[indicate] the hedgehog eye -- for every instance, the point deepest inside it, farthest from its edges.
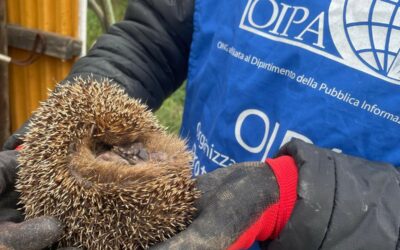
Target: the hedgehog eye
(98, 147)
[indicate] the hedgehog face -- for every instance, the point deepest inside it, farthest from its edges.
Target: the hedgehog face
(132, 154)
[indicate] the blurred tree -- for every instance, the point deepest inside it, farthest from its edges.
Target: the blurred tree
(104, 12)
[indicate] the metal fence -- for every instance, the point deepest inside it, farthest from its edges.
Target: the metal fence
(40, 59)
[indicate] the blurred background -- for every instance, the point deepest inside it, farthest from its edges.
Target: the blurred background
(39, 42)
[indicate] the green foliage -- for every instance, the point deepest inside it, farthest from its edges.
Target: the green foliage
(170, 114)
(93, 25)
(119, 8)
(93, 28)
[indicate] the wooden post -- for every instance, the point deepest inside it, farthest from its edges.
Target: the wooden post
(4, 93)
(63, 47)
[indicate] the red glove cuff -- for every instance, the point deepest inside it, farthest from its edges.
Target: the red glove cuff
(286, 173)
(274, 218)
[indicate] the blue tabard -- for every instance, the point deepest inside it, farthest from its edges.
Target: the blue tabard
(264, 71)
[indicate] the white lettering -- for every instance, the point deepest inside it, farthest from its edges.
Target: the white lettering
(281, 16)
(285, 16)
(274, 15)
(306, 12)
(267, 141)
(319, 32)
(209, 152)
(238, 128)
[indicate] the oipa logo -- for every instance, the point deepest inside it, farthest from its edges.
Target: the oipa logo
(366, 33)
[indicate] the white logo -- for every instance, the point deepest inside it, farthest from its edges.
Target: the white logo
(366, 33)
(269, 131)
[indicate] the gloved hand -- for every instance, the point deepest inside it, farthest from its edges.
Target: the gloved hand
(15, 139)
(239, 205)
(8, 196)
(32, 234)
(8, 170)
(15, 234)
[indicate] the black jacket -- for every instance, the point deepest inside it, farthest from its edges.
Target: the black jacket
(344, 202)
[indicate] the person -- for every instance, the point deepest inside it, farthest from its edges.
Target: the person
(291, 113)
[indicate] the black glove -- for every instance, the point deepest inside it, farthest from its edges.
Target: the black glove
(15, 139)
(8, 196)
(344, 202)
(8, 170)
(15, 234)
(240, 204)
(32, 234)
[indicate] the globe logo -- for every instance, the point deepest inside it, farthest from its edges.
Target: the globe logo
(372, 29)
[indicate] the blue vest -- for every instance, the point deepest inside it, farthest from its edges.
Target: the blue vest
(264, 71)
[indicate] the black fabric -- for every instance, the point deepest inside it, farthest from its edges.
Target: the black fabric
(9, 200)
(16, 138)
(8, 196)
(232, 200)
(11, 215)
(32, 234)
(146, 53)
(8, 170)
(343, 202)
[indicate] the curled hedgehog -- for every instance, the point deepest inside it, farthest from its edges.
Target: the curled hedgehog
(99, 162)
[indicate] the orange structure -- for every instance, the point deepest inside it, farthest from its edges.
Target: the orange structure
(28, 85)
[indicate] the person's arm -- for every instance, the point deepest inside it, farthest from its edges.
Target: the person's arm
(343, 202)
(146, 53)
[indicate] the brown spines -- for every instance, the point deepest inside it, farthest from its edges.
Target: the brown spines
(104, 204)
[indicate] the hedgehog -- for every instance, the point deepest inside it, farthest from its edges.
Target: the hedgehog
(100, 162)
